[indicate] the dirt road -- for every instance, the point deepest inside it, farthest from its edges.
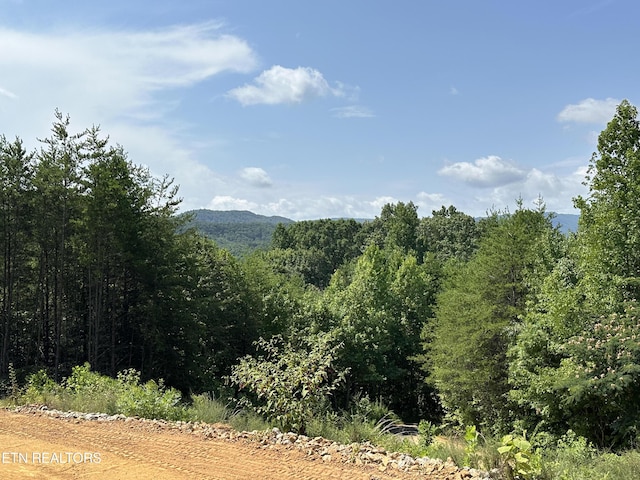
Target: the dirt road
(37, 446)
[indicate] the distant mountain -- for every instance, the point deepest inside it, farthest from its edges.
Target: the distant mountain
(567, 222)
(235, 216)
(238, 231)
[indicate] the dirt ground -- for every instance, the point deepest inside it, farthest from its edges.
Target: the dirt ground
(33, 446)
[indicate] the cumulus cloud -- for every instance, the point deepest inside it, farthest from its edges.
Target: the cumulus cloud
(227, 202)
(589, 110)
(284, 85)
(489, 171)
(557, 187)
(256, 176)
(352, 111)
(557, 191)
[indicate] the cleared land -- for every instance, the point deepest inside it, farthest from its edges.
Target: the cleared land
(38, 446)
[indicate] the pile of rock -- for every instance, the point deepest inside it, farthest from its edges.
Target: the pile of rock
(365, 454)
(318, 448)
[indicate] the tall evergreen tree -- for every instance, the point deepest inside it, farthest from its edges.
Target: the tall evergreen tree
(16, 177)
(478, 314)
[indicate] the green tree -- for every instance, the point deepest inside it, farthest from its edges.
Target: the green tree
(573, 362)
(218, 300)
(275, 296)
(479, 312)
(609, 227)
(396, 227)
(379, 308)
(57, 182)
(16, 190)
(448, 234)
(315, 249)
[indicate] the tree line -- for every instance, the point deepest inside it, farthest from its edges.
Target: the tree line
(501, 323)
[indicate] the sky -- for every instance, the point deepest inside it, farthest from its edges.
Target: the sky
(332, 108)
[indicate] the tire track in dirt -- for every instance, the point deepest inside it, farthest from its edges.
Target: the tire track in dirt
(136, 450)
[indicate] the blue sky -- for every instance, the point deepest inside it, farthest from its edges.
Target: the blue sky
(315, 109)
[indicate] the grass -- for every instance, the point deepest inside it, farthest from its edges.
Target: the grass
(569, 464)
(206, 408)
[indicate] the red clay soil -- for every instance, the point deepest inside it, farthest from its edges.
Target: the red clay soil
(41, 447)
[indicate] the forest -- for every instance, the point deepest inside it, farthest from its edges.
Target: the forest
(502, 323)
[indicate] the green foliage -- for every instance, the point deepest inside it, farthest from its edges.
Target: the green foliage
(40, 389)
(427, 432)
(380, 306)
(315, 249)
(89, 391)
(610, 215)
(395, 228)
(239, 232)
(448, 234)
(574, 458)
(520, 460)
(290, 383)
(148, 400)
(472, 440)
(478, 314)
(598, 382)
(575, 361)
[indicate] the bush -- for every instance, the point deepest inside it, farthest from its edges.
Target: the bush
(288, 385)
(519, 459)
(89, 391)
(149, 400)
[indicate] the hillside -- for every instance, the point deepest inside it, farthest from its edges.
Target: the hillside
(238, 231)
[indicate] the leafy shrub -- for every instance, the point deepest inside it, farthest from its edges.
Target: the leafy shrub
(149, 400)
(289, 384)
(89, 391)
(520, 460)
(427, 432)
(40, 389)
(206, 408)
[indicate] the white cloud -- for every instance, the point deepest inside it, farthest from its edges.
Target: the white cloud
(380, 202)
(107, 76)
(427, 202)
(125, 81)
(557, 191)
(589, 110)
(557, 187)
(453, 91)
(352, 111)
(284, 85)
(256, 177)
(302, 205)
(7, 93)
(489, 171)
(227, 202)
